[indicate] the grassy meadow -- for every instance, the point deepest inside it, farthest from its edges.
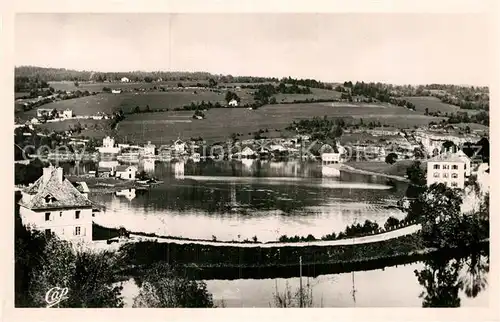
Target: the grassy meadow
(97, 87)
(109, 103)
(434, 104)
(317, 93)
(220, 123)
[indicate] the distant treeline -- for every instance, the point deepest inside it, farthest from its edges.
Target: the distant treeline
(29, 84)
(466, 97)
(62, 74)
(482, 118)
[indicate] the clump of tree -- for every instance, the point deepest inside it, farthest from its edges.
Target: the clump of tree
(29, 173)
(319, 128)
(391, 222)
(44, 261)
(417, 178)
(482, 118)
(212, 83)
(199, 106)
(391, 158)
(312, 83)
(117, 117)
(443, 223)
(198, 114)
(232, 96)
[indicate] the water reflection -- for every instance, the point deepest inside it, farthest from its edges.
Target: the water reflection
(264, 199)
(148, 165)
(127, 193)
(444, 279)
(474, 279)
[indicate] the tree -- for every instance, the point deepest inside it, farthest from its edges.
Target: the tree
(44, 262)
(137, 109)
(76, 84)
(148, 79)
(417, 186)
(231, 95)
(439, 210)
(391, 158)
(426, 111)
(449, 146)
(391, 222)
(212, 82)
(148, 109)
(162, 287)
(180, 85)
(415, 174)
(418, 153)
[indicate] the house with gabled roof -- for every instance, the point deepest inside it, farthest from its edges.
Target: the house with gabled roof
(127, 172)
(55, 206)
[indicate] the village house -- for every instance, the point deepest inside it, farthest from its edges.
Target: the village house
(233, 102)
(149, 149)
(53, 205)
(104, 172)
(41, 112)
(179, 146)
(108, 146)
(66, 114)
(116, 91)
(126, 172)
(123, 146)
(450, 169)
(125, 80)
(247, 152)
(277, 147)
(336, 155)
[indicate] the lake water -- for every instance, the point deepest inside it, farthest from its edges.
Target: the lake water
(237, 200)
(395, 286)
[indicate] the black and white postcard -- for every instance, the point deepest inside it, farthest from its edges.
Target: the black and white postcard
(251, 159)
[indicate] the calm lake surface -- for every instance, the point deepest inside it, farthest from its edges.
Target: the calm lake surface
(237, 200)
(395, 286)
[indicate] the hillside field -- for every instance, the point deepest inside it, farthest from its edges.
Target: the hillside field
(109, 103)
(317, 93)
(220, 123)
(434, 105)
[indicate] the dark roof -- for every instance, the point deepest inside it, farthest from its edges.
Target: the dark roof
(63, 194)
(123, 167)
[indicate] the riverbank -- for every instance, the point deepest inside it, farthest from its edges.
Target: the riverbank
(395, 171)
(101, 234)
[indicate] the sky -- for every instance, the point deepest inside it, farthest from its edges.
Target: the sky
(390, 48)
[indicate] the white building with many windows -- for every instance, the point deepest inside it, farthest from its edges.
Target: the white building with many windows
(450, 169)
(53, 205)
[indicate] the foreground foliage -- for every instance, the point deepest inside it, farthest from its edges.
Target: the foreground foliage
(162, 287)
